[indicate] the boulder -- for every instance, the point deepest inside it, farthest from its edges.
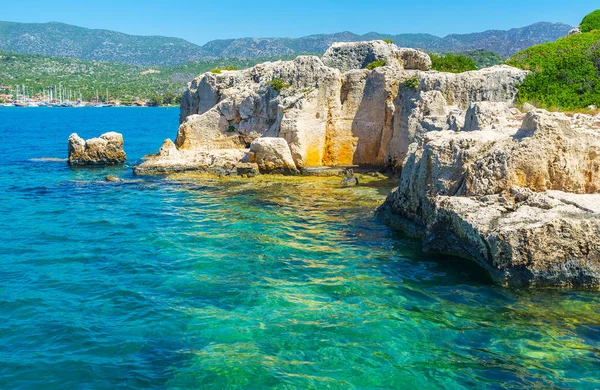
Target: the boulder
(346, 56)
(272, 155)
(527, 107)
(414, 59)
(105, 150)
(574, 31)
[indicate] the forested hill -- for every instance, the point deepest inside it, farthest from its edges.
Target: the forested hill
(63, 40)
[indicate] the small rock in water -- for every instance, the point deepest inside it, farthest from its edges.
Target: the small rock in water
(350, 181)
(113, 178)
(105, 150)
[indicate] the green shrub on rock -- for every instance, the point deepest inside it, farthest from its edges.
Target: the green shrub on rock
(565, 73)
(453, 63)
(376, 64)
(388, 41)
(591, 22)
(278, 85)
(412, 83)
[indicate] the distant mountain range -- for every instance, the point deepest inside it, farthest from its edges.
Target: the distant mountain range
(63, 40)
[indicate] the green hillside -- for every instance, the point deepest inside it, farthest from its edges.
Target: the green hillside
(64, 40)
(125, 82)
(566, 73)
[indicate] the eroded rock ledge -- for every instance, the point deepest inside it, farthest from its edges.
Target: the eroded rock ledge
(520, 198)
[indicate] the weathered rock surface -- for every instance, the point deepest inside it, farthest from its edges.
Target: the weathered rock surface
(271, 155)
(169, 159)
(521, 199)
(105, 150)
(346, 56)
(332, 112)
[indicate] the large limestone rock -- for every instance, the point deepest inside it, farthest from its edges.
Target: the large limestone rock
(333, 117)
(346, 56)
(522, 199)
(105, 150)
(271, 155)
(414, 59)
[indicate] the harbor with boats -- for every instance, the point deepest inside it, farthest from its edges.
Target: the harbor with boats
(56, 96)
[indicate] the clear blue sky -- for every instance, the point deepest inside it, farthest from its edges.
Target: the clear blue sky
(201, 21)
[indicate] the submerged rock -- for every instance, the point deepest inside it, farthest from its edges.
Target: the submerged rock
(106, 150)
(349, 181)
(113, 178)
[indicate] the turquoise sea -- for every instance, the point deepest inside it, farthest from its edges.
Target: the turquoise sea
(189, 282)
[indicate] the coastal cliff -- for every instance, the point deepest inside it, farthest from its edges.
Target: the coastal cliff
(331, 111)
(517, 193)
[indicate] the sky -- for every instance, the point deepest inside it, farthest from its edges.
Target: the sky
(202, 21)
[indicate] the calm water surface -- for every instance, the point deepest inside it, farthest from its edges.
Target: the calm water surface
(196, 283)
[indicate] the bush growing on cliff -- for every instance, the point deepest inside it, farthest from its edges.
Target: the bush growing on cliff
(278, 85)
(484, 58)
(565, 73)
(376, 64)
(388, 41)
(216, 70)
(412, 83)
(591, 22)
(453, 63)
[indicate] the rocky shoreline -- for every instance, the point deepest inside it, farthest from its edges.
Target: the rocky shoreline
(518, 193)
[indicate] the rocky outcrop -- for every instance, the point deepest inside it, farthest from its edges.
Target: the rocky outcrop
(332, 111)
(105, 150)
(272, 155)
(521, 198)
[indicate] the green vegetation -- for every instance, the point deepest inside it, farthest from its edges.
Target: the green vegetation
(376, 64)
(278, 85)
(159, 84)
(484, 58)
(565, 73)
(231, 129)
(388, 41)
(412, 83)
(591, 22)
(454, 63)
(218, 70)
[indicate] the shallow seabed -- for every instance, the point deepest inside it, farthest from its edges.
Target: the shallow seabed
(195, 282)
